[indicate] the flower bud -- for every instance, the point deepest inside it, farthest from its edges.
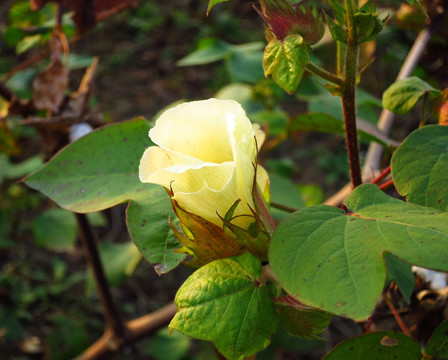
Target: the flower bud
(284, 18)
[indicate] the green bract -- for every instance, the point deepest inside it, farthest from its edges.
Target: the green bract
(224, 302)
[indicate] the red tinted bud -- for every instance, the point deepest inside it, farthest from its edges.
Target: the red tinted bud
(284, 18)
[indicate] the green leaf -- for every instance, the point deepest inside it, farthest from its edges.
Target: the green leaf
(420, 167)
(402, 274)
(401, 96)
(245, 66)
(300, 320)
(326, 123)
(286, 61)
(338, 33)
(166, 346)
(97, 171)
(148, 225)
(67, 338)
(275, 119)
(55, 229)
(285, 192)
(378, 345)
(223, 302)
(416, 3)
(333, 260)
(437, 346)
(213, 3)
(119, 260)
(241, 93)
(209, 51)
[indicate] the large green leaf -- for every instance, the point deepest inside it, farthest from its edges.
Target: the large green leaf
(401, 96)
(326, 123)
(285, 61)
(420, 167)
(223, 302)
(437, 346)
(379, 345)
(148, 226)
(334, 260)
(97, 171)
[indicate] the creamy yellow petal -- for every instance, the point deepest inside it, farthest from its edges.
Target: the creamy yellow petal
(200, 129)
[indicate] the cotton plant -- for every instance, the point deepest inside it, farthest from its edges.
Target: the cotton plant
(198, 197)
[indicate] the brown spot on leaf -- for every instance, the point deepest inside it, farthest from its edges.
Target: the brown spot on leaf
(388, 341)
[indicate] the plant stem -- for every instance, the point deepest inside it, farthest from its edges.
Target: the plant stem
(324, 74)
(396, 315)
(111, 314)
(423, 113)
(381, 176)
(283, 207)
(348, 94)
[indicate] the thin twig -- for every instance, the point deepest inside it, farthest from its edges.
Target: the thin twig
(282, 207)
(381, 176)
(375, 151)
(136, 329)
(396, 315)
(113, 318)
(387, 184)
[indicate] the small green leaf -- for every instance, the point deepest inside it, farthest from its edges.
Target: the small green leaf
(148, 225)
(223, 302)
(334, 261)
(213, 3)
(210, 50)
(97, 171)
(379, 345)
(420, 167)
(300, 320)
(338, 33)
(401, 96)
(437, 346)
(338, 11)
(286, 61)
(402, 274)
(326, 123)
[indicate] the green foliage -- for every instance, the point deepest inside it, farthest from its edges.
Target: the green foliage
(437, 346)
(402, 96)
(380, 345)
(67, 338)
(286, 60)
(119, 261)
(97, 171)
(169, 346)
(420, 167)
(351, 249)
(326, 123)
(149, 228)
(225, 303)
(402, 274)
(243, 62)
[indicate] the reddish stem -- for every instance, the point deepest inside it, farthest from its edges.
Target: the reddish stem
(396, 315)
(381, 176)
(386, 184)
